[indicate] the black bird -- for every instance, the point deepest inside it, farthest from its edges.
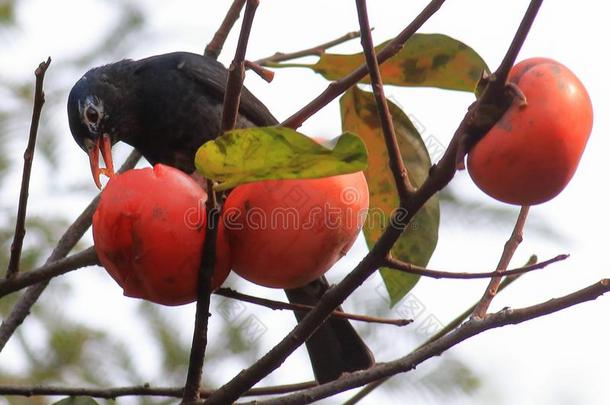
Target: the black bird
(166, 106)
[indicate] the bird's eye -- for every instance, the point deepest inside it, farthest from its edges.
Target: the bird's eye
(92, 115)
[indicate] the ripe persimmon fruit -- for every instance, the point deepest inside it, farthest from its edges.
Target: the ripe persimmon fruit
(286, 233)
(149, 230)
(529, 156)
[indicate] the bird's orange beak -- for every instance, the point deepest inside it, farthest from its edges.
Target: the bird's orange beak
(104, 145)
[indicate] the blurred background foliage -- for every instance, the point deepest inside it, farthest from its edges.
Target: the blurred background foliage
(55, 349)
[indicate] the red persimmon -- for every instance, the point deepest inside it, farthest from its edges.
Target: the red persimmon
(286, 233)
(532, 152)
(149, 230)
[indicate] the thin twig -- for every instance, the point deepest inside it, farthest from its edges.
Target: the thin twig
(236, 70)
(313, 51)
(280, 305)
(28, 157)
(412, 269)
(397, 166)
(457, 321)
(141, 391)
(465, 331)
(65, 244)
(202, 314)
(214, 47)
(515, 47)
(228, 121)
(47, 271)
(510, 247)
(338, 87)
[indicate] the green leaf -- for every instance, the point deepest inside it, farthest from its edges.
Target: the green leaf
(426, 60)
(76, 401)
(7, 12)
(417, 243)
(253, 154)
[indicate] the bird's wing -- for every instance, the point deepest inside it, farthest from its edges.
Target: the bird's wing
(212, 75)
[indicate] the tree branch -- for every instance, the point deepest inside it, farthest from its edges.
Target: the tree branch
(338, 87)
(236, 70)
(214, 47)
(228, 121)
(200, 330)
(465, 331)
(510, 247)
(412, 269)
(317, 50)
(87, 257)
(280, 305)
(515, 47)
(141, 391)
(67, 241)
(397, 166)
(28, 157)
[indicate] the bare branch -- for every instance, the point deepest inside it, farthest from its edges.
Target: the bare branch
(87, 257)
(510, 247)
(317, 50)
(214, 48)
(200, 330)
(141, 391)
(412, 269)
(236, 70)
(28, 158)
(280, 305)
(397, 166)
(513, 51)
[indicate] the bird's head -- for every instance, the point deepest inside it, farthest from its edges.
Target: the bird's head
(92, 120)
